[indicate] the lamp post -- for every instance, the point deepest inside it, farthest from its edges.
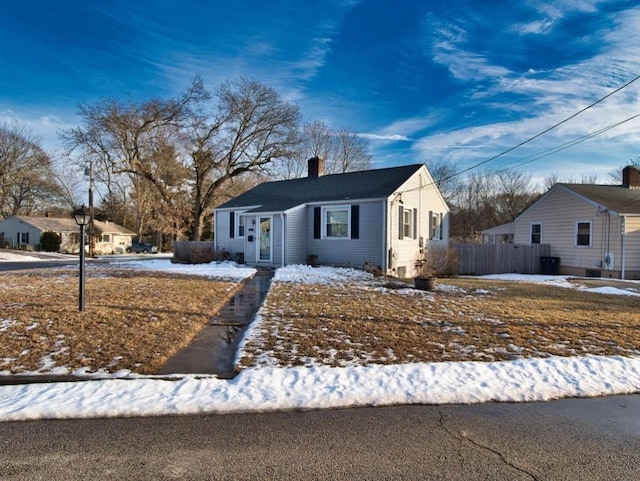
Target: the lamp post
(82, 217)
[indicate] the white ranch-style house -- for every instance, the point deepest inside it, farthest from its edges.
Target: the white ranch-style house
(384, 218)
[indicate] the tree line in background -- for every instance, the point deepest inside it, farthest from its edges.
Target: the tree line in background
(160, 166)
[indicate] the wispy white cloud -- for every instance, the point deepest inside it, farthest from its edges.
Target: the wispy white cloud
(387, 137)
(44, 127)
(549, 13)
(446, 46)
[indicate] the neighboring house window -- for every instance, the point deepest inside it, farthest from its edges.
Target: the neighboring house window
(240, 223)
(105, 238)
(24, 238)
(336, 221)
(583, 234)
(435, 226)
(536, 233)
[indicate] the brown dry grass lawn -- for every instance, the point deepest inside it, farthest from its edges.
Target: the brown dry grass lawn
(465, 319)
(133, 320)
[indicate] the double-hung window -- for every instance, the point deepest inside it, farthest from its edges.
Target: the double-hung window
(407, 217)
(583, 234)
(536, 233)
(240, 224)
(435, 226)
(336, 222)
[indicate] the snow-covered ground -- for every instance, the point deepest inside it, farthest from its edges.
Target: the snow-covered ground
(9, 256)
(268, 389)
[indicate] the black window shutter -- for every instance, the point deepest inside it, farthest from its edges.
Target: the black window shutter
(430, 233)
(415, 223)
(400, 223)
(317, 222)
(441, 227)
(355, 221)
(232, 224)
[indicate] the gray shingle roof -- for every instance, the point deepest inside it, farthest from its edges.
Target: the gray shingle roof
(616, 198)
(62, 225)
(284, 194)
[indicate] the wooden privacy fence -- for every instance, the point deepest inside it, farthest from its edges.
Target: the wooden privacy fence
(483, 259)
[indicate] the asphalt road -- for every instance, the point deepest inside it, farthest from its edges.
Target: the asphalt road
(21, 265)
(581, 439)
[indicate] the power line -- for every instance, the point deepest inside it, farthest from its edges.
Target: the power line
(544, 131)
(566, 145)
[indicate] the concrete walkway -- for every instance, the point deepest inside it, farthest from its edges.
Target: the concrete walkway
(213, 350)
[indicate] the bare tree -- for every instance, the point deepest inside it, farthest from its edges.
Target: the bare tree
(350, 153)
(615, 175)
(555, 178)
(445, 177)
(342, 150)
(251, 127)
(514, 194)
(27, 183)
(133, 144)
(173, 158)
(489, 199)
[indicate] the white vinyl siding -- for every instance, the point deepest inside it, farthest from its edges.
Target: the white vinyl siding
(402, 251)
(296, 240)
(348, 251)
(223, 239)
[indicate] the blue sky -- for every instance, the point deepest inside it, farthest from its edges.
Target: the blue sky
(455, 81)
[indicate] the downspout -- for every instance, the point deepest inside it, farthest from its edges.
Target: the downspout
(623, 252)
(283, 238)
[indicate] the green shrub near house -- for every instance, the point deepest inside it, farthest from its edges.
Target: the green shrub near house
(50, 242)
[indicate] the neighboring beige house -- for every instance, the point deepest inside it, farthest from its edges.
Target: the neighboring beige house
(384, 218)
(22, 232)
(594, 230)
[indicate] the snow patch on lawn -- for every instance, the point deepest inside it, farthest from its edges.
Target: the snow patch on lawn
(218, 270)
(304, 274)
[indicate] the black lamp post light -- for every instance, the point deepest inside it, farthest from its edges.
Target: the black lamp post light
(82, 217)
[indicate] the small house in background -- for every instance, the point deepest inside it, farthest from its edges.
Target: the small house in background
(592, 230)
(24, 232)
(502, 234)
(384, 219)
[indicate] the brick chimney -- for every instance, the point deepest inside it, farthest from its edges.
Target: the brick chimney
(315, 167)
(631, 177)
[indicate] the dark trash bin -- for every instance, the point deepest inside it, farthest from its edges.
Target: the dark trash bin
(550, 265)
